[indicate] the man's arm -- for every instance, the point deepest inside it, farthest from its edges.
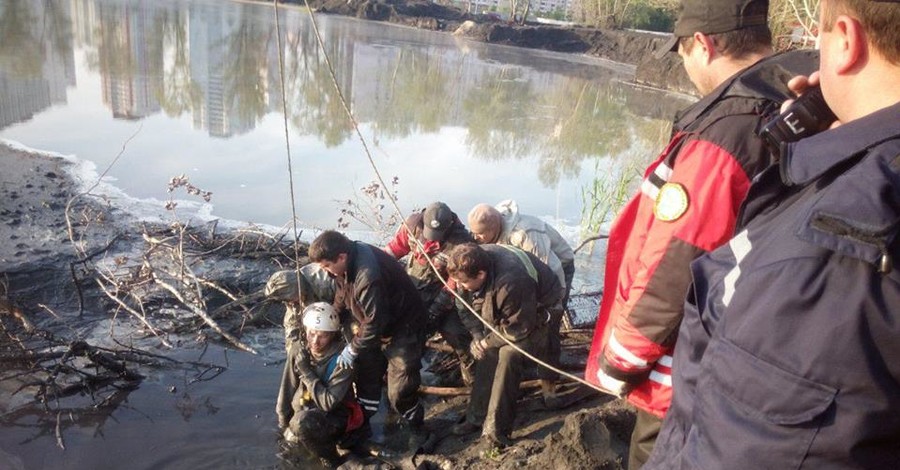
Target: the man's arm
(518, 314)
(399, 246)
(650, 306)
(371, 312)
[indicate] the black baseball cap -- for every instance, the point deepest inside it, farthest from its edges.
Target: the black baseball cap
(713, 17)
(437, 219)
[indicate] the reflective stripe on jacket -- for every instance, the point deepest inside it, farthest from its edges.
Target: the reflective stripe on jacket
(687, 205)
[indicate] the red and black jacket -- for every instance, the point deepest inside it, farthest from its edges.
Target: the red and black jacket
(687, 205)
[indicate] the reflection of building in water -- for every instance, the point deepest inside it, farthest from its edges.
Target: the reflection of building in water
(210, 26)
(130, 67)
(31, 88)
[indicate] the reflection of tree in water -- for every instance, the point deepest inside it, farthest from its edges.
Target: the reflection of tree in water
(574, 120)
(179, 94)
(245, 63)
(419, 94)
(499, 116)
(21, 39)
(587, 123)
(313, 103)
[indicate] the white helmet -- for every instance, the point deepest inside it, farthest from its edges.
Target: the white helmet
(321, 316)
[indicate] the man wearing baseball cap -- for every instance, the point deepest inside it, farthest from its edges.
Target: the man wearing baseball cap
(688, 202)
(437, 229)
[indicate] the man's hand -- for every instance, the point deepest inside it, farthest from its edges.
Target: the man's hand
(612, 385)
(477, 349)
(346, 359)
(302, 363)
(799, 85)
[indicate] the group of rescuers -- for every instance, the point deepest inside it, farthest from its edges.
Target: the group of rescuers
(751, 310)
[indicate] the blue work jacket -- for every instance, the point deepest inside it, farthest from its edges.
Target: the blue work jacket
(789, 352)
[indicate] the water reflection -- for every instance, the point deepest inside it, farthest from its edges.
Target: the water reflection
(216, 66)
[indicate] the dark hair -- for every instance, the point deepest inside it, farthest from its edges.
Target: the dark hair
(328, 245)
(739, 43)
(467, 259)
(880, 20)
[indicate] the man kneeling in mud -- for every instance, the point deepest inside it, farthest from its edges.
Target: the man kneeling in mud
(316, 402)
(513, 291)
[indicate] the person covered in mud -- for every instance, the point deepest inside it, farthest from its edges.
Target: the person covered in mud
(388, 311)
(314, 285)
(437, 230)
(316, 405)
(688, 202)
(789, 352)
(514, 292)
(505, 225)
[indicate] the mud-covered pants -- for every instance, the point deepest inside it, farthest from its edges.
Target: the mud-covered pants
(497, 378)
(401, 358)
(443, 318)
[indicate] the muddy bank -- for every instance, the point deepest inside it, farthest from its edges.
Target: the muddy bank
(37, 261)
(627, 47)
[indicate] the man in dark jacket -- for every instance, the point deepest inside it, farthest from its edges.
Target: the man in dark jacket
(789, 352)
(437, 230)
(315, 404)
(513, 291)
(688, 202)
(386, 306)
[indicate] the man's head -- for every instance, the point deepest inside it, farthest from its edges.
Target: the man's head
(322, 326)
(437, 219)
(859, 42)
(468, 266)
(486, 223)
(331, 250)
(718, 38)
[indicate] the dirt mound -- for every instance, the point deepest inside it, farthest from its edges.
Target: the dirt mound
(591, 438)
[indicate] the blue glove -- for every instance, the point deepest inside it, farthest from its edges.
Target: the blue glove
(346, 358)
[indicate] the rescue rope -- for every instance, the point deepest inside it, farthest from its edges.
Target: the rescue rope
(287, 142)
(390, 196)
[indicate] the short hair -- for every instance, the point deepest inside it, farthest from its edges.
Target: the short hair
(739, 43)
(880, 20)
(328, 245)
(467, 259)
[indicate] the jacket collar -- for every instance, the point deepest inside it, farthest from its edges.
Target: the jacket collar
(808, 159)
(764, 79)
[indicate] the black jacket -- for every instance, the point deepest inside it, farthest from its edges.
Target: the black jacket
(380, 296)
(515, 297)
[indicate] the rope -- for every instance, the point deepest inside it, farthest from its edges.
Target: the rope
(393, 201)
(287, 142)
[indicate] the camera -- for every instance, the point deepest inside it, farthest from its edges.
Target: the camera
(806, 116)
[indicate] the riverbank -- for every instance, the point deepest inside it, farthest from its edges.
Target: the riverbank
(634, 48)
(36, 262)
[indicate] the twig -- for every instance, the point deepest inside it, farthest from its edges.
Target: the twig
(134, 312)
(590, 239)
(59, 438)
(202, 314)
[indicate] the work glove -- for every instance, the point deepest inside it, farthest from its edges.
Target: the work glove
(304, 367)
(346, 358)
(477, 348)
(612, 385)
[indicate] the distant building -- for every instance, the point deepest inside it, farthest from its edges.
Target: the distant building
(537, 6)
